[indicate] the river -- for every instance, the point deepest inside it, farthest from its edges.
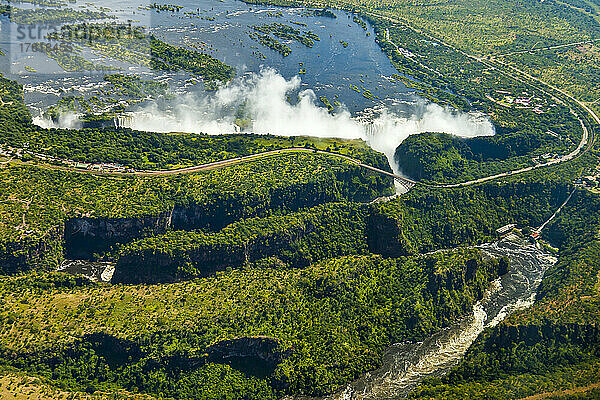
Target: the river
(95, 271)
(405, 365)
(345, 53)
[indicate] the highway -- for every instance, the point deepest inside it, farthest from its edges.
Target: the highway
(216, 165)
(513, 72)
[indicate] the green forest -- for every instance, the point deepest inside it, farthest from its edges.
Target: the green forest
(326, 323)
(293, 274)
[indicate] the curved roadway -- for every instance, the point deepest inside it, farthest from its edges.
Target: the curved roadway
(216, 165)
(584, 144)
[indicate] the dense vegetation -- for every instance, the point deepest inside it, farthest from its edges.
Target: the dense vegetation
(432, 219)
(286, 32)
(49, 15)
(555, 344)
(152, 151)
(326, 324)
(440, 157)
(420, 222)
(166, 57)
(133, 45)
(311, 297)
(147, 150)
(324, 13)
(296, 239)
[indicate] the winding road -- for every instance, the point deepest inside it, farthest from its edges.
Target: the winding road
(217, 165)
(585, 144)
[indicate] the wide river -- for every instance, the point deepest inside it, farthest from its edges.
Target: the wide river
(345, 54)
(405, 365)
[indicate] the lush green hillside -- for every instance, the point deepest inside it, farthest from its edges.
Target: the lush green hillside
(422, 221)
(317, 327)
(440, 157)
(554, 345)
(431, 219)
(36, 203)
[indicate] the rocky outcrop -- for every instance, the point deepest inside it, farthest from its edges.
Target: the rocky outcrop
(385, 236)
(204, 256)
(218, 211)
(37, 253)
(85, 236)
(151, 266)
(253, 355)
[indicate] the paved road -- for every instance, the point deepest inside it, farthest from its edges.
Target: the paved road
(219, 164)
(584, 145)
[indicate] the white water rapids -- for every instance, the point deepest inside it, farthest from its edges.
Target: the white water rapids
(405, 365)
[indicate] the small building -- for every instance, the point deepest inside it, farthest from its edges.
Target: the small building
(506, 229)
(534, 236)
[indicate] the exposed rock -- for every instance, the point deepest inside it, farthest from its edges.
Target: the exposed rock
(152, 265)
(258, 355)
(85, 236)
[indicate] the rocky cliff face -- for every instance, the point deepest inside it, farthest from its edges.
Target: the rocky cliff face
(151, 266)
(261, 347)
(85, 236)
(44, 252)
(226, 208)
(257, 355)
(385, 236)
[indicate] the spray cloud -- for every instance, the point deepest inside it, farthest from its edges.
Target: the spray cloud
(267, 103)
(260, 103)
(68, 120)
